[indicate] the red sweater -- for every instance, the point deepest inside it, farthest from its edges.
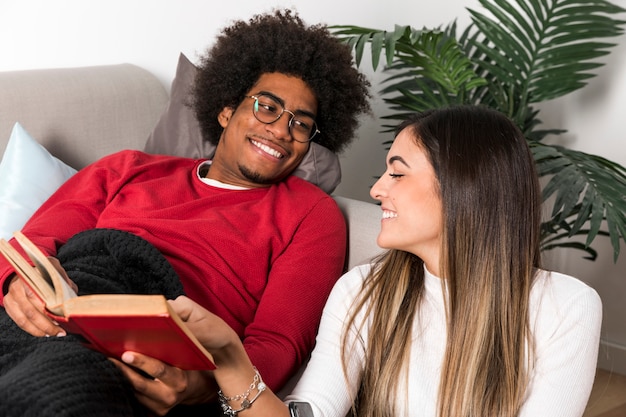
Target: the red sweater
(263, 259)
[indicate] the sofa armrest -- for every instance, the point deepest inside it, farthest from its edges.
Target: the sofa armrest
(82, 114)
(363, 220)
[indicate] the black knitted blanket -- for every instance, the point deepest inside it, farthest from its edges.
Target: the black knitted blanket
(60, 377)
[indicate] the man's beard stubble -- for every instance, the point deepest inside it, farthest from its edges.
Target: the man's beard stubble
(256, 177)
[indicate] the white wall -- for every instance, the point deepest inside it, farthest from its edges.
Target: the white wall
(151, 33)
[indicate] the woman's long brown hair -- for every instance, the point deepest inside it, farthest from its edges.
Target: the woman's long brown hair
(492, 212)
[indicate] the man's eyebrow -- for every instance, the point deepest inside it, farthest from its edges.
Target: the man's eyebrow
(272, 95)
(282, 103)
(399, 159)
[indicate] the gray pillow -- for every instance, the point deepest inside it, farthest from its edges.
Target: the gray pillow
(177, 133)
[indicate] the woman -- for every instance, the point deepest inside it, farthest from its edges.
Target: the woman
(456, 319)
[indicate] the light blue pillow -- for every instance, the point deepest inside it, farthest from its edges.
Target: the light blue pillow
(29, 174)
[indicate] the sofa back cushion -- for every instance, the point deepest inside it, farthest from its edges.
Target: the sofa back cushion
(82, 114)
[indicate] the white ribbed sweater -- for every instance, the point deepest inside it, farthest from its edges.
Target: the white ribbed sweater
(566, 316)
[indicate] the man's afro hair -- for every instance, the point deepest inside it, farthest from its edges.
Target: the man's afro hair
(281, 42)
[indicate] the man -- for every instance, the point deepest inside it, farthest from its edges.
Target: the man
(254, 245)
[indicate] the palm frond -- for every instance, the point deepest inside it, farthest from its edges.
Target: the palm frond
(514, 54)
(411, 53)
(528, 40)
(587, 190)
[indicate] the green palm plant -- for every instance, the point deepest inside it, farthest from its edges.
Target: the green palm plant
(525, 52)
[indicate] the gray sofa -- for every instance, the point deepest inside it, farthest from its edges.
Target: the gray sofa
(82, 114)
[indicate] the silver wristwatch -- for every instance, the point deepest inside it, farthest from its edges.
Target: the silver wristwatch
(300, 409)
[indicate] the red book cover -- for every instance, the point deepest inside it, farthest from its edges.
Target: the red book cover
(113, 324)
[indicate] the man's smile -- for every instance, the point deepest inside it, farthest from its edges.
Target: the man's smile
(265, 148)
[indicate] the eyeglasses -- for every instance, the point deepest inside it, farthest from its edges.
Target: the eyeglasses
(268, 109)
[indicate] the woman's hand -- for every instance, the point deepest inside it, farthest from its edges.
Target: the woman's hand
(172, 386)
(211, 331)
(168, 386)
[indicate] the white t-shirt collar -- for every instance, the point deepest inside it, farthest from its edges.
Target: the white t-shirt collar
(215, 183)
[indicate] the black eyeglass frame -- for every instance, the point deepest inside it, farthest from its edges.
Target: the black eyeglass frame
(255, 106)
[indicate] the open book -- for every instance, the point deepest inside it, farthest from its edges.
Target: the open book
(109, 323)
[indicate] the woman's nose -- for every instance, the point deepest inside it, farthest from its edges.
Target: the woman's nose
(376, 192)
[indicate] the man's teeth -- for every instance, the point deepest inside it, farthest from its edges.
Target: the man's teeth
(389, 215)
(267, 149)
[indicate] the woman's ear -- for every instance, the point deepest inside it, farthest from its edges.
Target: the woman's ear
(224, 116)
